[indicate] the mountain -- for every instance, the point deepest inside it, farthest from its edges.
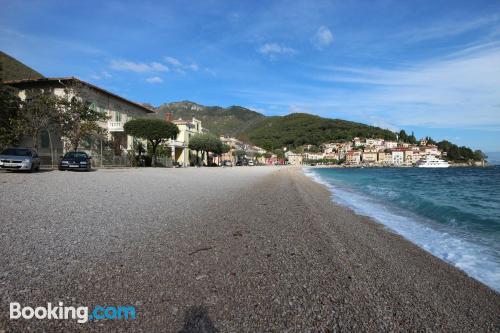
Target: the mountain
(12, 69)
(292, 130)
(297, 129)
(222, 121)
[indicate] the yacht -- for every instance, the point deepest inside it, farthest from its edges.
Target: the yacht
(431, 161)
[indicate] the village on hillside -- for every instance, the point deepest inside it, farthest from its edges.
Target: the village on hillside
(115, 147)
(366, 152)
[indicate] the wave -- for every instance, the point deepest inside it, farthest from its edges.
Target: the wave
(477, 261)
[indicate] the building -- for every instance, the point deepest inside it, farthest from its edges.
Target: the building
(382, 157)
(374, 142)
(369, 156)
(357, 142)
(118, 109)
(431, 150)
(313, 156)
(353, 157)
(409, 158)
(331, 156)
(181, 154)
(294, 158)
(390, 144)
(398, 156)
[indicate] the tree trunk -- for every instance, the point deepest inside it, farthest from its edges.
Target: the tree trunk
(35, 139)
(153, 158)
(51, 149)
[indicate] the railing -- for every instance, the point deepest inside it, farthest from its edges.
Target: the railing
(176, 143)
(115, 126)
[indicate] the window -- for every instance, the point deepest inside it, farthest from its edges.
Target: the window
(118, 116)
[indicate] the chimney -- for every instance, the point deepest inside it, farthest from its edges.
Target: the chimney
(169, 116)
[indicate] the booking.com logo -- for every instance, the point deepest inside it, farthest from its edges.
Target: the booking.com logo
(82, 314)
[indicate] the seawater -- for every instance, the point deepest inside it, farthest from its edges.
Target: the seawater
(453, 213)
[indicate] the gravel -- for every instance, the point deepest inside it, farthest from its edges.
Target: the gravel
(219, 249)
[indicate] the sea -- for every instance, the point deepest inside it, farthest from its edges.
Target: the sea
(453, 213)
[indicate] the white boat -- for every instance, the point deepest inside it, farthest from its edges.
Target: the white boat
(431, 161)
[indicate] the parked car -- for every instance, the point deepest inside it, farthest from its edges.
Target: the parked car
(20, 159)
(239, 163)
(251, 163)
(227, 163)
(75, 160)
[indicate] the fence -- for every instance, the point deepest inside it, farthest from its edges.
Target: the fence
(107, 158)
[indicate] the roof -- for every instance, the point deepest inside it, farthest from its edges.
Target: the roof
(59, 80)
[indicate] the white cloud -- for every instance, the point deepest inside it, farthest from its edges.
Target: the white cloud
(106, 74)
(448, 28)
(275, 48)
(448, 92)
(138, 67)
(323, 38)
(154, 79)
(172, 61)
(178, 66)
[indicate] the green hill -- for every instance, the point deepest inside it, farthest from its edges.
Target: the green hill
(297, 129)
(12, 69)
(272, 132)
(222, 121)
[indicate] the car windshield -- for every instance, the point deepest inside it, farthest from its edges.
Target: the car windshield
(75, 154)
(17, 152)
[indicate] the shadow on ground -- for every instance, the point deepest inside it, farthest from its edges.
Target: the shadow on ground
(196, 320)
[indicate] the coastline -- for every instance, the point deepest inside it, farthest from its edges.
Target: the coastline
(258, 249)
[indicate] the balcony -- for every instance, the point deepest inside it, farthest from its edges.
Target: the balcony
(176, 143)
(115, 126)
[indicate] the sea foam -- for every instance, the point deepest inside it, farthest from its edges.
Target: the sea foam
(475, 260)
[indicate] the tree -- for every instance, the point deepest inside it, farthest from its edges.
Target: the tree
(222, 149)
(402, 136)
(10, 115)
(479, 155)
(79, 119)
(40, 111)
(153, 130)
(205, 143)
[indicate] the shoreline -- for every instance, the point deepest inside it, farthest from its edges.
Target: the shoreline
(237, 249)
(461, 252)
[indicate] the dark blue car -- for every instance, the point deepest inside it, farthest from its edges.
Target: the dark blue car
(75, 160)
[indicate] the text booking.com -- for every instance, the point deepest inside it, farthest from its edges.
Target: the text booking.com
(81, 314)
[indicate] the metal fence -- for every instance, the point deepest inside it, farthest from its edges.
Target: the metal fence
(107, 158)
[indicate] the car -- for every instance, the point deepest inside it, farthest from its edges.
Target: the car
(25, 159)
(227, 163)
(239, 163)
(75, 160)
(251, 163)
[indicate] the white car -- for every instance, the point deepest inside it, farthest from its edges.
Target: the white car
(251, 163)
(20, 159)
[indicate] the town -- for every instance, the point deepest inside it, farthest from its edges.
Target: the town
(109, 143)
(366, 152)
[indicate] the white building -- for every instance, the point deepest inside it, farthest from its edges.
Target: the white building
(117, 108)
(390, 144)
(398, 157)
(374, 142)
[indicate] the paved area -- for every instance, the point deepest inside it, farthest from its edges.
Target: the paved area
(219, 249)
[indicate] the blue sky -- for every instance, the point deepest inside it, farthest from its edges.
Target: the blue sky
(432, 67)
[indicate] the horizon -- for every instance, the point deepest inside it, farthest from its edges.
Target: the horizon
(427, 68)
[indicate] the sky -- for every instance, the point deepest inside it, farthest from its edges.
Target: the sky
(432, 67)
